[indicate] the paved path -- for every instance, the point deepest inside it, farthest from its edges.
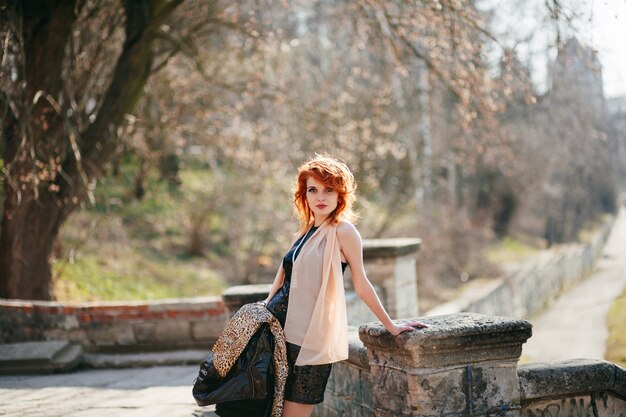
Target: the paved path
(575, 325)
(163, 391)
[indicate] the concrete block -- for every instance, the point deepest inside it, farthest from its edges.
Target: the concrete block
(570, 377)
(70, 322)
(235, 297)
(144, 331)
(335, 405)
(173, 331)
(206, 329)
(111, 335)
(75, 336)
(450, 340)
(390, 393)
(493, 386)
(438, 393)
(39, 357)
(347, 382)
(390, 248)
(366, 389)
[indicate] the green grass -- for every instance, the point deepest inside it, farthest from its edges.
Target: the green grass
(616, 343)
(509, 250)
(124, 249)
(93, 278)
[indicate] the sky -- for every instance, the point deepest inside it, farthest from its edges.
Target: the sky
(608, 37)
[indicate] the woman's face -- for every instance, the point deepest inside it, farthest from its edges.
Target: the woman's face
(322, 200)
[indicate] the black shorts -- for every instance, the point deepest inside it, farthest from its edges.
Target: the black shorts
(305, 384)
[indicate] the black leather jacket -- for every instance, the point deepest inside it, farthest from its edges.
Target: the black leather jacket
(246, 391)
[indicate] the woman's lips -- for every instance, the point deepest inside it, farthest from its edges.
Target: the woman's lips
(321, 206)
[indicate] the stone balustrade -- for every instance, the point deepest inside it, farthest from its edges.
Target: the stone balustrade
(466, 365)
(581, 387)
(463, 364)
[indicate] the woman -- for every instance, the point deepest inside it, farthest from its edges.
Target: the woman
(307, 295)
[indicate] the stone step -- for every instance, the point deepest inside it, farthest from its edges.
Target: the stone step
(68, 359)
(43, 357)
(146, 359)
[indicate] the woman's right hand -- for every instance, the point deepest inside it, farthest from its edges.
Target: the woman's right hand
(406, 327)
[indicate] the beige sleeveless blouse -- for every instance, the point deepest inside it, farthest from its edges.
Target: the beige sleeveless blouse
(316, 317)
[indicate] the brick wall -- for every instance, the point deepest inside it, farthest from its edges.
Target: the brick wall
(116, 326)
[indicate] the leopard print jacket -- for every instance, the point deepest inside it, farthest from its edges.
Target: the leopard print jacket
(235, 337)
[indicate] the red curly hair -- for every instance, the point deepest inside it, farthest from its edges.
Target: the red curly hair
(333, 174)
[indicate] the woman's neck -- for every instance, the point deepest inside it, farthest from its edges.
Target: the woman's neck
(318, 221)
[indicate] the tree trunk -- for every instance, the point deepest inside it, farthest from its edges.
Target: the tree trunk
(29, 228)
(139, 190)
(32, 214)
(424, 128)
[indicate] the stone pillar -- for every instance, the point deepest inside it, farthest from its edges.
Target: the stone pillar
(390, 265)
(237, 296)
(462, 365)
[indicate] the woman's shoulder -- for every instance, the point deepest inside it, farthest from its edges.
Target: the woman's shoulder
(347, 230)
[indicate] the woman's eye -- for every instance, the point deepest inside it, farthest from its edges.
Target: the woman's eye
(311, 190)
(329, 190)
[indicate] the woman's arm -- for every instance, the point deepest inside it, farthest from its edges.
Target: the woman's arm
(278, 282)
(352, 248)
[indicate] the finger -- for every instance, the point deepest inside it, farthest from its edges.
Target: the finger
(418, 324)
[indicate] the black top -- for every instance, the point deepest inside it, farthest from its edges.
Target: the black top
(278, 304)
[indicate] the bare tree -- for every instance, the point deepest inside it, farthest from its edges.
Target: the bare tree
(71, 72)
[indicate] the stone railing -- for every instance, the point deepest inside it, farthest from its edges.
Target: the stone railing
(193, 323)
(116, 326)
(536, 284)
(466, 365)
(581, 387)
